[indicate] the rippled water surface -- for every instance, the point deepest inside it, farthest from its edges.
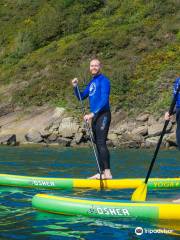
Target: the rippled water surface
(18, 220)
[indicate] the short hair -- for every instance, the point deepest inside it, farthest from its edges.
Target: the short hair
(96, 59)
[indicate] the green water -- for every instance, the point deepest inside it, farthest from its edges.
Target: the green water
(20, 221)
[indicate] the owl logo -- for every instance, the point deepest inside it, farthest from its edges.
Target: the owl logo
(92, 89)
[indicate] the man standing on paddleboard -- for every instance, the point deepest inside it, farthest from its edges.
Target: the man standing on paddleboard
(98, 91)
(177, 111)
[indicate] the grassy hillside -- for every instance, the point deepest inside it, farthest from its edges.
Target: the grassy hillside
(45, 43)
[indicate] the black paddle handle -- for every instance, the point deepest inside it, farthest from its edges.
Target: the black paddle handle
(171, 109)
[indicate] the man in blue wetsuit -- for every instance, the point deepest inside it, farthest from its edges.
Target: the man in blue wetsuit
(98, 91)
(177, 111)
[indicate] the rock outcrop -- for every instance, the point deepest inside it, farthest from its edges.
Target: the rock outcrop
(54, 126)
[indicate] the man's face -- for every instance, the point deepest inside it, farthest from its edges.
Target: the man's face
(95, 67)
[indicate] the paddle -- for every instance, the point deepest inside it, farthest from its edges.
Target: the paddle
(91, 138)
(141, 192)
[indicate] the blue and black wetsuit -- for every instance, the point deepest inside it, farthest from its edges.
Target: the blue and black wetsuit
(98, 91)
(176, 84)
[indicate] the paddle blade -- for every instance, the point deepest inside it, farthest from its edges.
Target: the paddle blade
(140, 193)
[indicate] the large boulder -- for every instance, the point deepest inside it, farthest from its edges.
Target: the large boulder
(128, 144)
(52, 138)
(65, 142)
(120, 128)
(152, 120)
(113, 140)
(171, 139)
(111, 143)
(117, 117)
(152, 142)
(54, 127)
(143, 117)
(112, 136)
(68, 127)
(78, 137)
(156, 129)
(130, 140)
(9, 139)
(143, 130)
(132, 137)
(44, 133)
(34, 136)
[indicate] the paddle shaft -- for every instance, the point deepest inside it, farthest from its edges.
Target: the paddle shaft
(90, 133)
(171, 109)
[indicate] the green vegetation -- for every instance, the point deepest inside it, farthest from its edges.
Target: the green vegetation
(45, 43)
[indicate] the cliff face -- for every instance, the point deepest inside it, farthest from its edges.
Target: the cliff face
(45, 43)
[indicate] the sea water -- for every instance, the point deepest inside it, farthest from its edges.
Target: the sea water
(19, 220)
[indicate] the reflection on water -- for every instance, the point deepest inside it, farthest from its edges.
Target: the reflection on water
(20, 221)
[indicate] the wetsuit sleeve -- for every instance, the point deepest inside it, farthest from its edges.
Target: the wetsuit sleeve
(174, 92)
(105, 91)
(83, 94)
(175, 87)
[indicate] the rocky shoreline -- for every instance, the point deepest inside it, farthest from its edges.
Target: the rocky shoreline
(54, 127)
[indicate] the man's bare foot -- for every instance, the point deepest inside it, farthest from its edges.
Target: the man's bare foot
(176, 200)
(107, 174)
(96, 176)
